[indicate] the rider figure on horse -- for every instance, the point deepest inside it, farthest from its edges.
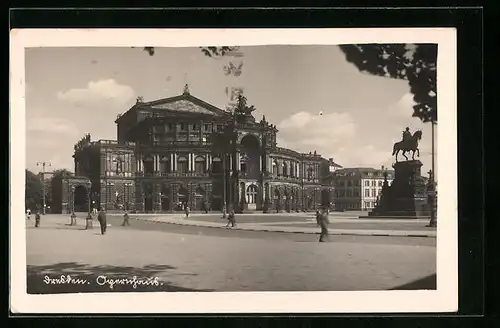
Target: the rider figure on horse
(406, 135)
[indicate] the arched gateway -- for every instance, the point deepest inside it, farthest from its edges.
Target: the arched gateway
(71, 194)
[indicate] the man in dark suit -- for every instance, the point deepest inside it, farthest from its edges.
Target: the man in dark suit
(102, 221)
(322, 220)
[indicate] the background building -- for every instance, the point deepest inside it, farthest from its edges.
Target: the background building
(181, 151)
(358, 188)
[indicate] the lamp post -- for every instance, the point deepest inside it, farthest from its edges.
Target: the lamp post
(72, 201)
(431, 188)
(43, 165)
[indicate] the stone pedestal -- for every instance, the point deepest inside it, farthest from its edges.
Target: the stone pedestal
(406, 197)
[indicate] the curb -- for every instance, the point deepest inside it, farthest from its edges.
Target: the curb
(413, 235)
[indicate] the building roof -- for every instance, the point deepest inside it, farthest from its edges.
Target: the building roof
(361, 170)
(184, 103)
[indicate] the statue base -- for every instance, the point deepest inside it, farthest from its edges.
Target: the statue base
(406, 197)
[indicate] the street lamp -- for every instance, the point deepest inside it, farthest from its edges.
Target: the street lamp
(43, 165)
(72, 200)
(431, 187)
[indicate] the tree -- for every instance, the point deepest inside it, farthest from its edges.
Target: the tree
(208, 51)
(415, 63)
(33, 191)
(61, 173)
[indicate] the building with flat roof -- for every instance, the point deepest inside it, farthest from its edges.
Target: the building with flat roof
(358, 188)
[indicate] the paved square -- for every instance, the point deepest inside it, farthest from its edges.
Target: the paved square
(201, 262)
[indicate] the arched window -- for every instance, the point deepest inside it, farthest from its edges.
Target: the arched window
(164, 164)
(285, 169)
(182, 164)
(199, 165)
(148, 164)
(309, 173)
(216, 165)
(275, 167)
(251, 194)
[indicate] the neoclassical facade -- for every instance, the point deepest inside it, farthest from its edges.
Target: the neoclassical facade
(183, 151)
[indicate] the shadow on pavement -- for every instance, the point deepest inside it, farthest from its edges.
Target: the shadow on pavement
(428, 282)
(72, 277)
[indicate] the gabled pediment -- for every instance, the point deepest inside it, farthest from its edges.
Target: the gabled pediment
(186, 104)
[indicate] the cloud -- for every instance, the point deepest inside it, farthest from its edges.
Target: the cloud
(325, 133)
(403, 108)
(365, 156)
(50, 139)
(98, 91)
(52, 125)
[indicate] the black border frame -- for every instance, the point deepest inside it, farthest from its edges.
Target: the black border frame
(469, 25)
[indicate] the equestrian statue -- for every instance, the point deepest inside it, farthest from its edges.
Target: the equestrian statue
(409, 143)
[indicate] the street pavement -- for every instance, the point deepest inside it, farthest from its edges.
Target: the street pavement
(303, 223)
(195, 258)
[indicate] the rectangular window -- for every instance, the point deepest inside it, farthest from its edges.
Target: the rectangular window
(367, 204)
(367, 183)
(367, 192)
(182, 126)
(195, 126)
(374, 193)
(206, 127)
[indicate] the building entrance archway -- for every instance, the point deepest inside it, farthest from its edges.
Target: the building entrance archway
(277, 200)
(165, 198)
(183, 196)
(80, 199)
(250, 157)
(199, 197)
(148, 198)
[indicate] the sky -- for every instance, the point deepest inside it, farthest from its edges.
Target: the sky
(73, 91)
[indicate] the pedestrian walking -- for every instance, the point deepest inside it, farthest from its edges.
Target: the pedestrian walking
(224, 211)
(322, 220)
(37, 219)
(28, 214)
(126, 219)
(231, 219)
(187, 210)
(206, 206)
(102, 221)
(73, 219)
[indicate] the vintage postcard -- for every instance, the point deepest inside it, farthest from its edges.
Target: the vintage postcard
(233, 171)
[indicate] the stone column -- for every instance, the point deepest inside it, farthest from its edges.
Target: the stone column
(175, 162)
(190, 162)
(171, 162)
(207, 161)
(238, 159)
(260, 163)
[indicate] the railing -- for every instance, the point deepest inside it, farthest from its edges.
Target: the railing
(178, 143)
(171, 174)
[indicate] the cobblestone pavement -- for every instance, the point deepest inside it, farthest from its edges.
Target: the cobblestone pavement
(204, 263)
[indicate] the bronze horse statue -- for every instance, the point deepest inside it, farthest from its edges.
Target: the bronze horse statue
(408, 145)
